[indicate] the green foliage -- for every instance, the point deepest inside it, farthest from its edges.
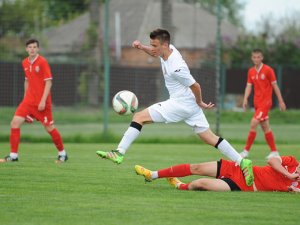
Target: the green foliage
(281, 48)
(230, 8)
(21, 19)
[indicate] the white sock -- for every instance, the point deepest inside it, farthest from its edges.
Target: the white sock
(129, 136)
(13, 155)
(154, 175)
(62, 153)
(229, 151)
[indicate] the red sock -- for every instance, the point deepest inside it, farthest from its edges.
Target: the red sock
(14, 139)
(250, 140)
(181, 170)
(270, 140)
(183, 187)
(57, 140)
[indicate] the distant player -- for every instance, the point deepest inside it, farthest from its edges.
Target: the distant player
(36, 102)
(184, 104)
(263, 79)
(282, 174)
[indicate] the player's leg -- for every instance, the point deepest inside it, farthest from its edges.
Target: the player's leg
(134, 130)
(202, 184)
(18, 119)
(181, 170)
(265, 125)
(251, 137)
(46, 119)
(226, 148)
(58, 142)
(15, 125)
(156, 113)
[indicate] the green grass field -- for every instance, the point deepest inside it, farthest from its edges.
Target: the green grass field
(90, 190)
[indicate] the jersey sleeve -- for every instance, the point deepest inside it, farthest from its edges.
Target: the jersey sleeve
(272, 76)
(184, 76)
(249, 80)
(46, 70)
(289, 162)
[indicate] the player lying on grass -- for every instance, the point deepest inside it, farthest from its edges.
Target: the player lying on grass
(282, 174)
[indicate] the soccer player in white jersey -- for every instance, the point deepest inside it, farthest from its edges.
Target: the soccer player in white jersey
(185, 104)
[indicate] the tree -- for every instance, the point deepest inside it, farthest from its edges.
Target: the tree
(231, 8)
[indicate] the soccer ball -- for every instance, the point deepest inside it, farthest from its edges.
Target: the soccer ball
(125, 103)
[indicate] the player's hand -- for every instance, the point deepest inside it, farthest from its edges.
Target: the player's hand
(42, 106)
(245, 104)
(137, 44)
(29, 119)
(203, 105)
(293, 189)
(294, 176)
(282, 106)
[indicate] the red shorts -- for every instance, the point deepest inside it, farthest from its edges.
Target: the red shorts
(231, 170)
(261, 113)
(45, 116)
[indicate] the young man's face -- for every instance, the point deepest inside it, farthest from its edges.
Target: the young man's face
(158, 47)
(257, 58)
(32, 49)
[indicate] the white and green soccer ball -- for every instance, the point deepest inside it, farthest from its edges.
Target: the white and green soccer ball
(125, 102)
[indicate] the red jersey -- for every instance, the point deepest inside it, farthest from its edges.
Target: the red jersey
(36, 73)
(267, 179)
(262, 80)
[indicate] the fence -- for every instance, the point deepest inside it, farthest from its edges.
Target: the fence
(147, 83)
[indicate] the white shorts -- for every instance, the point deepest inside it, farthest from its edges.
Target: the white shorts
(172, 111)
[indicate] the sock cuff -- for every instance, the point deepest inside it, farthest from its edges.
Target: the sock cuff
(219, 141)
(136, 125)
(53, 131)
(15, 129)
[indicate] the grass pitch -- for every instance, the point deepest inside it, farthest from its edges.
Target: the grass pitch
(90, 190)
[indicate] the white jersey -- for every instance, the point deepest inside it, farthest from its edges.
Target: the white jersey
(177, 76)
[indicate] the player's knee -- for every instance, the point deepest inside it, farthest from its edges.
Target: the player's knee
(141, 117)
(49, 128)
(200, 184)
(15, 123)
(196, 169)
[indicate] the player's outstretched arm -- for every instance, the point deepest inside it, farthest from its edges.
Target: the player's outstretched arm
(147, 49)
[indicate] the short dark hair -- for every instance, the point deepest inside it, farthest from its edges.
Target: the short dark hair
(31, 41)
(161, 34)
(257, 50)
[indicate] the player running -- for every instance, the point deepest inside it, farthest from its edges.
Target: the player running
(185, 104)
(36, 102)
(263, 79)
(282, 174)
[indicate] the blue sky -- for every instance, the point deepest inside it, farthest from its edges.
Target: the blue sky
(255, 10)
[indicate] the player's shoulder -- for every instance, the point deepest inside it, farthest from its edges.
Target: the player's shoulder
(42, 58)
(267, 67)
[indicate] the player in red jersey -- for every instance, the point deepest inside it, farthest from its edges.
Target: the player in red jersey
(36, 102)
(282, 174)
(263, 79)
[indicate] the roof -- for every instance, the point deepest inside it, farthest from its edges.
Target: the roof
(194, 26)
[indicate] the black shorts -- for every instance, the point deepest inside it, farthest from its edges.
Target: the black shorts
(233, 186)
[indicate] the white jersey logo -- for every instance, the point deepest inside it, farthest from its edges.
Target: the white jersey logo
(37, 69)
